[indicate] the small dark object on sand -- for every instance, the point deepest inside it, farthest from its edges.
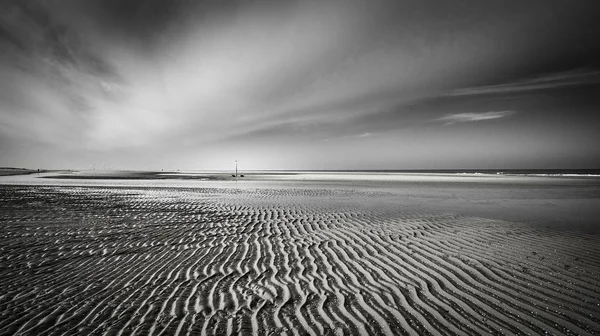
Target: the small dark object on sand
(242, 175)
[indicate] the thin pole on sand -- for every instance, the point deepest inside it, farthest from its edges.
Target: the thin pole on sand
(236, 168)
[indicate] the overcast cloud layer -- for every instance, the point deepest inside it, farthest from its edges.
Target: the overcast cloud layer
(299, 84)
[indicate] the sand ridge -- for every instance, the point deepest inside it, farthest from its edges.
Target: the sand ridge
(204, 261)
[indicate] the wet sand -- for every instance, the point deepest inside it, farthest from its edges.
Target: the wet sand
(308, 255)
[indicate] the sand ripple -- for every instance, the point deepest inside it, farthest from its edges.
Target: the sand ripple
(142, 261)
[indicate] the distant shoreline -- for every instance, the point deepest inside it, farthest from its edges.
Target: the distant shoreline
(297, 174)
(92, 174)
(595, 171)
(9, 171)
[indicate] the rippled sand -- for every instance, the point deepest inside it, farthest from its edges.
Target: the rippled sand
(361, 259)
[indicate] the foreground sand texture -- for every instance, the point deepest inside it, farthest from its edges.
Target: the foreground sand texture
(310, 261)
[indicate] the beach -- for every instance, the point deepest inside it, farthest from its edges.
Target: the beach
(300, 254)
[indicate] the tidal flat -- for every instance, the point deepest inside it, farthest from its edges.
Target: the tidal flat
(300, 254)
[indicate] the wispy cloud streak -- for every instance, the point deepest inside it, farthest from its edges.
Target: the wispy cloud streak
(552, 81)
(472, 117)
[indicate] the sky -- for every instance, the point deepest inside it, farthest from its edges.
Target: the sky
(341, 84)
